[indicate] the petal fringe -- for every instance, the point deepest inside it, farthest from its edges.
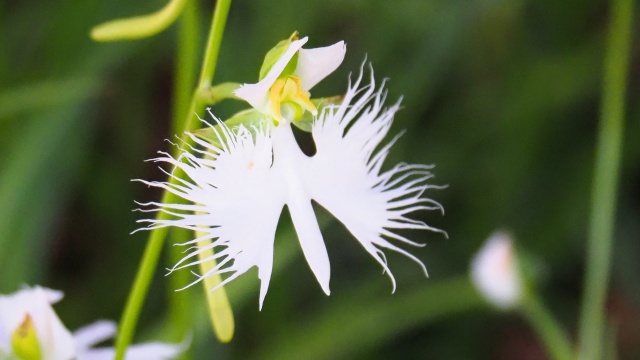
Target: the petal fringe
(344, 176)
(234, 199)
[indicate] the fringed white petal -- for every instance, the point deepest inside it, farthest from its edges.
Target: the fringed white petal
(316, 64)
(257, 94)
(236, 203)
(344, 176)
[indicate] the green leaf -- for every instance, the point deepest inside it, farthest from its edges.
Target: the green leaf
(366, 321)
(45, 94)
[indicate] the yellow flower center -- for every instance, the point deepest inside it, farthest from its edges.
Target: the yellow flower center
(24, 341)
(289, 100)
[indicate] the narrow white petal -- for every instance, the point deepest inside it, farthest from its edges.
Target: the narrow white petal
(316, 64)
(290, 163)
(306, 225)
(90, 335)
(154, 350)
(257, 95)
(344, 175)
(265, 267)
(52, 296)
(238, 201)
(93, 334)
(147, 351)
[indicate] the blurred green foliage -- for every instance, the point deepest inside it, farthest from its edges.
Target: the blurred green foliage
(501, 95)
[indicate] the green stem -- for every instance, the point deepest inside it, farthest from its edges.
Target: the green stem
(180, 302)
(186, 62)
(215, 94)
(605, 181)
(547, 328)
(156, 237)
(213, 43)
(198, 102)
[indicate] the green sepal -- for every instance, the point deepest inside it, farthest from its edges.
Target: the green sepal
(24, 341)
(306, 120)
(252, 119)
(275, 54)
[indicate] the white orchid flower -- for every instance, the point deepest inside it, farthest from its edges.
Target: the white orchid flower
(285, 88)
(494, 271)
(237, 190)
(31, 330)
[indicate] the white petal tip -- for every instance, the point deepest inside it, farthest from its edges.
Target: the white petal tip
(316, 64)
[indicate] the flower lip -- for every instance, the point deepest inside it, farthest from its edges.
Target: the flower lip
(257, 174)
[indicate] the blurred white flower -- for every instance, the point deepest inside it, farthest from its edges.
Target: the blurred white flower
(237, 191)
(30, 329)
(494, 271)
(285, 88)
(89, 336)
(28, 325)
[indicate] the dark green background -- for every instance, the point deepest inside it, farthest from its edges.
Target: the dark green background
(503, 96)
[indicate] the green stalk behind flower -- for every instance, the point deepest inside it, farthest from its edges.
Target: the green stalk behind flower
(605, 180)
(156, 237)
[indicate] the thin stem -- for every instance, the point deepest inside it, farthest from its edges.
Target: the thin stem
(605, 181)
(185, 76)
(213, 43)
(208, 66)
(156, 237)
(186, 62)
(547, 328)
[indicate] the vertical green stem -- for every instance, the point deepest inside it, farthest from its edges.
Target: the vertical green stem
(605, 181)
(199, 99)
(547, 328)
(156, 237)
(185, 79)
(186, 62)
